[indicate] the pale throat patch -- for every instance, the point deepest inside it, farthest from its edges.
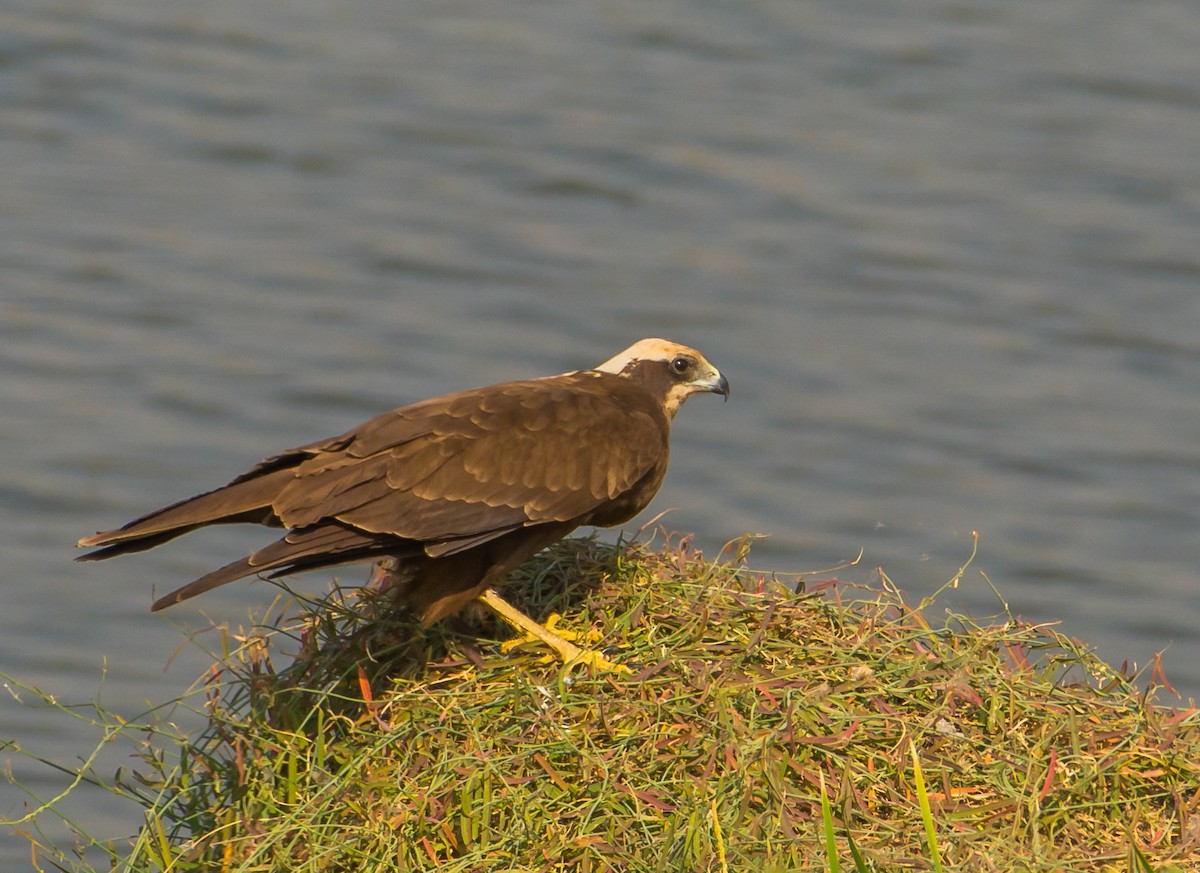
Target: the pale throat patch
(676, 396)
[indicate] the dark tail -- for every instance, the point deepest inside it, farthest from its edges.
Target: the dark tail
(243, 500)
(324, 545)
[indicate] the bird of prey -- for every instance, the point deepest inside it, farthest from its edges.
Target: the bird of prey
(458, 490)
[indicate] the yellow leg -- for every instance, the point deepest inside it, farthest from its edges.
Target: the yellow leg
(568, 651)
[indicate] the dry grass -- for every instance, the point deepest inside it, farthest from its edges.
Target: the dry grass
(759, 729)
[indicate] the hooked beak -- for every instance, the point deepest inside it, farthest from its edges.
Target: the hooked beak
(718, 385)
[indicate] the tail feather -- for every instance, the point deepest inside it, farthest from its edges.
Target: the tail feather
(248, 500)
(229, 573)
(308, 549)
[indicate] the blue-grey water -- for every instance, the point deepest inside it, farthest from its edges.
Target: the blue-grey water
(948, 254)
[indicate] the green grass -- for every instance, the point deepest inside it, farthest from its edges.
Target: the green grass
(760, 729)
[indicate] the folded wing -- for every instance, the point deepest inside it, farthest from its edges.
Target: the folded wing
(435, 477)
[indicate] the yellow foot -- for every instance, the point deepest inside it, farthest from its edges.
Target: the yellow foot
(597, 661)
(551, 628)
(557, 640)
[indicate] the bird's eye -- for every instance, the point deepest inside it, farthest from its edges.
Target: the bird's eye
(681, 365)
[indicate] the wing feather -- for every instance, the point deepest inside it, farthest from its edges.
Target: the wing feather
(482, 461)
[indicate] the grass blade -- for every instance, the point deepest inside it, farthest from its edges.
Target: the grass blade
(926, 813)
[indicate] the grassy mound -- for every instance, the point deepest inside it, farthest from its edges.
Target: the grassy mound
(760, 729)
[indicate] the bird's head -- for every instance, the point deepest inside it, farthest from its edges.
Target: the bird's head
(670, 369)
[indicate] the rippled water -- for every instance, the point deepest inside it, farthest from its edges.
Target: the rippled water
(946, 252)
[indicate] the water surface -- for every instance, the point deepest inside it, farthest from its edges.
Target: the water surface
(945, 251)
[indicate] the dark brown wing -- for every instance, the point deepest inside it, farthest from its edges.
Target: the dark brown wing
(483, 462)
(440, 476)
